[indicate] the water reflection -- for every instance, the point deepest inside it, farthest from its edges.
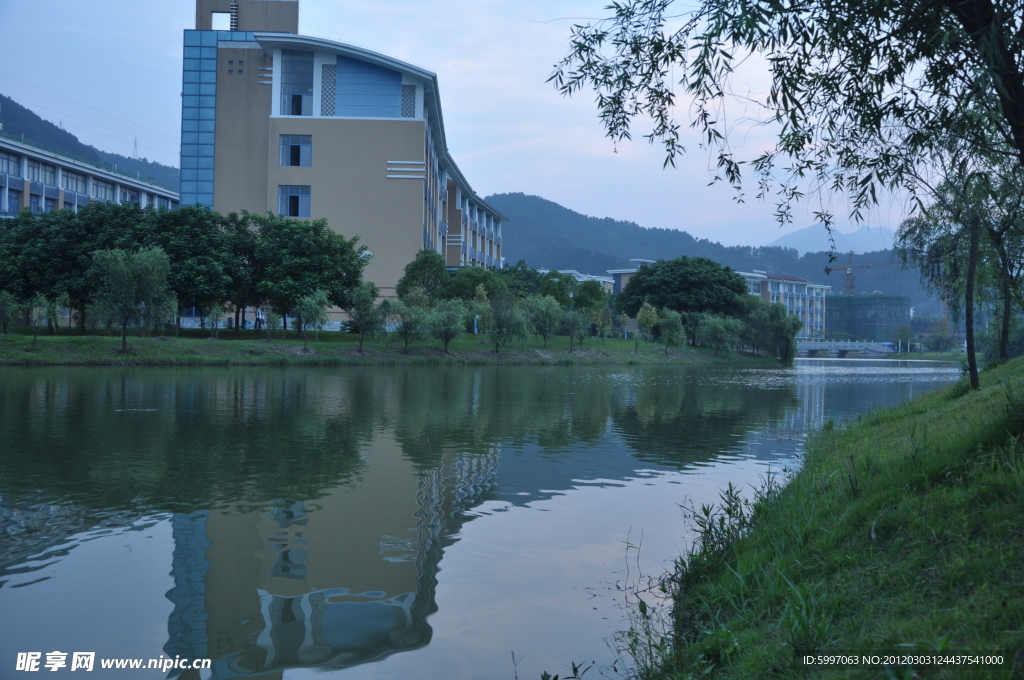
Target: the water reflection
(310, 509)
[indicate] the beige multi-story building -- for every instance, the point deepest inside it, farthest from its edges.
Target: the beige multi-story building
(801, 298)
(307, 127)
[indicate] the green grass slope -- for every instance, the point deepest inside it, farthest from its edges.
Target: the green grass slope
(902, 533)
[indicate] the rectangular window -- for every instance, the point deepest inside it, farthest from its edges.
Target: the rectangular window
(35, 203)
(13, 200)
(297, 150)
(73, 181)
(102, 191)
(69, 206)
(296, 83)
(10, 164)
(293, 200)
(50, 205)
(35, 173)
(129, 195)
(50, 175)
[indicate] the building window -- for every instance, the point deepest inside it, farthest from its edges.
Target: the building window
(35, 203)
(296, 83)
(73, 181)
(49, 205)
(10, 164)
(50, 175)
(13, 200)
(297, 150)
(102, 191)
(69, 206)
(129, 195)
(293, 200)
(34, 171)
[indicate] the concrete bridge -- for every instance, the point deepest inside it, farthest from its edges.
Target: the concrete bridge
(841, 348)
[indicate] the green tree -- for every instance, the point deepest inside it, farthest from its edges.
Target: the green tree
(860, 94)
(590, 295)
(37, 307)
(720, 332)
(427, 271)
(127, 283)
(312, 309)
(622, 320)
(685, 284)
(447, 321)
(545, 314)
(670, 327)
(410, 320)
(574, 321)
(903, 336)
(562, 287)
(508, 322)
(363, 313)
(464, 283)
(296, 258)
(646, 319)
(8, 309)
(602, 320)
(521, 279)
(244, 268)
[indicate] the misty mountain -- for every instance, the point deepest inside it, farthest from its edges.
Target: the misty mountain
(815, 239)
(20, 122)
(548, 235)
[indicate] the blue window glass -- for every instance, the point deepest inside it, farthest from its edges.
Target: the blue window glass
(207, 64)
(205, 150)
(189, 137)
(207, 76)
(191, 52)
(205, 138)
(366, 90)
(204, 175)
(206, 126)
(189, 175)
(206, 199)
(190, 88)
(188, 199)
(189, 162)
(209, 38)
(208, 53)
(296, 83)
(192, 38)
(293, 200)
(205, 187)
(208, 89)
(190, 101)
(296, 150)
(190, 126)
(208, 101)
(191, 77)
(189, 114)
(223, 35)
(192, 64)
(190, 150)
(207, 114)
(188, 186)
(206, 162)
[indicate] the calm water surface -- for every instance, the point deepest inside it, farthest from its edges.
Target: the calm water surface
(376, 522)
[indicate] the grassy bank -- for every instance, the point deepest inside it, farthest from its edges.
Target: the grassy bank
(902, 533)
(333, 349)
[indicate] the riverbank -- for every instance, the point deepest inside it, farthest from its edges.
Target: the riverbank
(335, 349)
(903, 533)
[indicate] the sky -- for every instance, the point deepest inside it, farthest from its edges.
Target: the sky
(109, 71)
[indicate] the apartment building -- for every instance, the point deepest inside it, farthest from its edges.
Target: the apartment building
(306, 127)
(42, 180)
(802, 298)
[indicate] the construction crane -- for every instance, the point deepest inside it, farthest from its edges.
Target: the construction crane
(850, 266)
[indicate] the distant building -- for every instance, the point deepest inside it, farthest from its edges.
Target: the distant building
(311, 128)
(868, 316)
(605, 281)
(801, 298)
(42, 180)
(620, 277)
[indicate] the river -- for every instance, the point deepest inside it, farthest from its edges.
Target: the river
(381, 522)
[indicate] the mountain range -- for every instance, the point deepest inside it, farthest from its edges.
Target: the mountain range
(816, 238)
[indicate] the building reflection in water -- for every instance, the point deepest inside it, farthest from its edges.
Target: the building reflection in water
(346, 579)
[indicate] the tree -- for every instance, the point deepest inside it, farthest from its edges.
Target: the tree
(574, 320)
(243, 267)
(296, 258)
(427, 271)
(903, 337)
(363, 313)
(36, 308)
(411, 321)
(521, 279)
(622, 320)
(861, 92)
(463, 285)
(508, 322)
(8, 309)
(646, 318)
(127, 283)
(670, 327)
(447, 321)
(312, 309)
(719, 332)
(545, 314)
(562, 287)
(602, 320)
(589, 295)
(685, 284)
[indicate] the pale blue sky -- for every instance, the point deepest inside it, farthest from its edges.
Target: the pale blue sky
(110, 70)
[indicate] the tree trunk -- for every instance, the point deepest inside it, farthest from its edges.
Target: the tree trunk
(177, 324)
(361, 334)
(238, 316)
(124, 335)
(1004, 332)
(972, 269)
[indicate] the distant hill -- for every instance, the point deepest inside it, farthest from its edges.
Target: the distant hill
(815, 239)
(548, 235)
(18, 120)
